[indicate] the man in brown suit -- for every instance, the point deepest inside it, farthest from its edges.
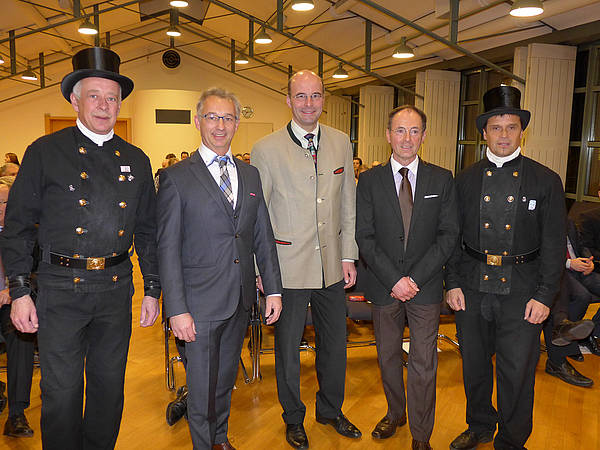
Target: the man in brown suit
(308, 182)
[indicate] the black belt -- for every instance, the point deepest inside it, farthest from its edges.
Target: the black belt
(501, 260)
(87, 263)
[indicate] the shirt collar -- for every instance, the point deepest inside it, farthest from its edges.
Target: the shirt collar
(499, 161)
(412, 167)
(300, 132)
(208, 156)
(98, 139)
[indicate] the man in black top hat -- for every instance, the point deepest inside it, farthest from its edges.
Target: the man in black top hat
(504, 275)
(83, 193)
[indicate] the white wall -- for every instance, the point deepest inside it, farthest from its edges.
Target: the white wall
(22, 119)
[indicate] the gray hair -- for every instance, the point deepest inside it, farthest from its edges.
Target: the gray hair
(221, 93)
(7, 181)
(7, 166)
(395, 111)
(77, 89)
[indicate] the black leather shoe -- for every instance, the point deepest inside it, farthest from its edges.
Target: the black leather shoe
(591, 343)
(567, 331)
(469, 440)
(576, 357)
(178, 407)
(420, 445)
(295, 435)
(342, 425)
(568, 374)
(386, 427)
(3, 399)
(17, 426)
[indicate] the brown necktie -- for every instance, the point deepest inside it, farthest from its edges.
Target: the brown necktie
(406, 202)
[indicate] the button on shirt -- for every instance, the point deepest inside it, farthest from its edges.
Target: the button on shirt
(412, 174)
(208, 156)
(300, 132)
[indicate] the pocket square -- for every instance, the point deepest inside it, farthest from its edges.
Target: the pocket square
(252, 194)
(431, 196)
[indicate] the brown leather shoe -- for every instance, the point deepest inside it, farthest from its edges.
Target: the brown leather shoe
(17, 426)
(386, 427)
(567, 331)
(568, 374)
(224, 446)
(342, 425)
(421, 445)
(468, 440)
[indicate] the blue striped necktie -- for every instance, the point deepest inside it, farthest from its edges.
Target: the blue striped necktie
(225, 184)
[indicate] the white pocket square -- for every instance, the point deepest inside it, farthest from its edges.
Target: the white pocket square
(431, 196)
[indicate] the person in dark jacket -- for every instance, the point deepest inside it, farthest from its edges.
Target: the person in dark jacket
(504, 274)
(86, 195)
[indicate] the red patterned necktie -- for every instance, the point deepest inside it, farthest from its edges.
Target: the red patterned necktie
(311, 146)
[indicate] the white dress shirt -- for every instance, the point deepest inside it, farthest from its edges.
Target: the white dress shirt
(413, 167)
(300, 132)
(98, 139)
(208, 156)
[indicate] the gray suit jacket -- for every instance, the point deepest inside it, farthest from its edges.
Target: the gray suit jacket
(380, 233)
(206, 249)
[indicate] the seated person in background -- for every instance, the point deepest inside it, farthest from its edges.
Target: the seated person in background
(589, 229)
(246, 158)
(9, 170)
(19, 349)
(375, 163)
(184, 155)
(358, 167)
(11, 158)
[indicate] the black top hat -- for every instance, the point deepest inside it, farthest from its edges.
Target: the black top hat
(95, 62)
(502, 100)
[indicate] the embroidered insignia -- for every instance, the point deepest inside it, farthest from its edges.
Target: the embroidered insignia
(125, 169)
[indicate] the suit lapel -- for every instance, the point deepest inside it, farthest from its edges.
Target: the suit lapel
(199, 169)
(423, 179)
(389, 189)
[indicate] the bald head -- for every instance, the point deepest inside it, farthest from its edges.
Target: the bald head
(305, 99)
(303, 74)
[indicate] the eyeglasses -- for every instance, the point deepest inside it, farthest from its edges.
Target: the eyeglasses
(413, 132)
(303, 97)
(212, 117)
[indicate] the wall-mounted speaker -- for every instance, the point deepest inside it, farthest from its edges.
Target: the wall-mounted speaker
(171, 59)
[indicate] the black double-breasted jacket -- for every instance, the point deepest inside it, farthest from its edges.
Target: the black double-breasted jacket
(513, 210)
(81, 200)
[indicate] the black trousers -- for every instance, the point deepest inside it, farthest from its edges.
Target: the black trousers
(388, 323)
(83, 332)
(212, 365)
(19, 358)
(328, 306)
(494, 324)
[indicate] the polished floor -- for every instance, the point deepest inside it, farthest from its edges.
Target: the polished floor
(566, 417)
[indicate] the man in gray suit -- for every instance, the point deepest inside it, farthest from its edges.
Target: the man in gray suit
(406, 229)
(212, 223)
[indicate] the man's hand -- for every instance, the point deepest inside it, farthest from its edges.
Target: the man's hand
(272, 309)
(183, 327)
(584, 265)
(259, 284)
(536, 312)
(4, 297)
(349, 271)
(404, 289)
(150, 311)
(23, 315)
(456, 299)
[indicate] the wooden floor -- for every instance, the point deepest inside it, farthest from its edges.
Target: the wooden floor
(565, 416)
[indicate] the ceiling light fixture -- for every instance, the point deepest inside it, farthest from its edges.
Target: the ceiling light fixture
(526, 8)
(88, 28)
(302, 5)
(29, 74)
(403, 51)
(241, 59)
(340, 73)
(179, 3)
(173, 31)
(263, 37)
